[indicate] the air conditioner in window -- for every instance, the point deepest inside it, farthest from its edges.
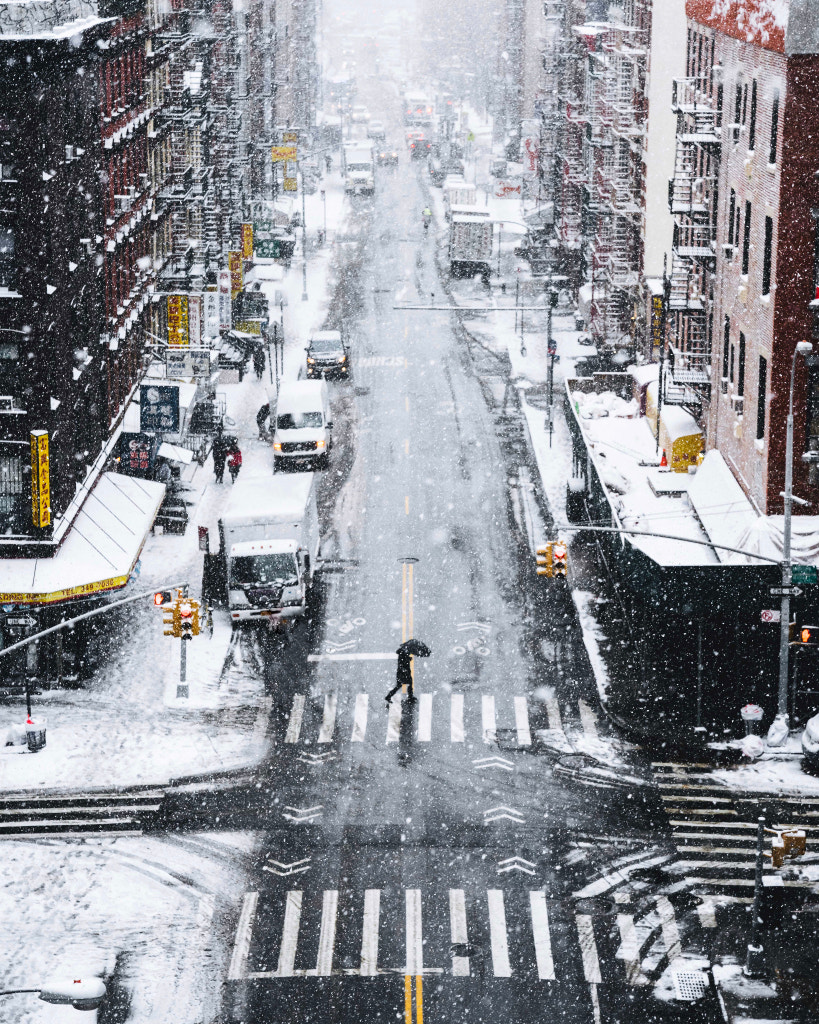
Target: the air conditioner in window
(723, 385)
(737, 403)
(728, 251)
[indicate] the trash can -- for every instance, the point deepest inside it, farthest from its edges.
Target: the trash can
(35, 734)
(752, 717)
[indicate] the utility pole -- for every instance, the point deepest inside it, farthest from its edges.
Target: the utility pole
(755, 952)
(551, 349)
(303, 244)
(663, 322)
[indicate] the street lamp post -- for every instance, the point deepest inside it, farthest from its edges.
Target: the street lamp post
(803, 348)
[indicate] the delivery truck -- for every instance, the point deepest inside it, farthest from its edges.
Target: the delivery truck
(470, 246)
(358, 168)
(269, 545)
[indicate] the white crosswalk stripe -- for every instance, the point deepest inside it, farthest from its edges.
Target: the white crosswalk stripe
(518, 926)
(327, 719)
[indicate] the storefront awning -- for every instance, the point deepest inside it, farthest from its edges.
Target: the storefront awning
(100, 551)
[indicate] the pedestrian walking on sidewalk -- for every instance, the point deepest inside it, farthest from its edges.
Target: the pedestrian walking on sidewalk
(328, 162)
(259, 362)
(234, 461)
(220, 454)
(261, 417)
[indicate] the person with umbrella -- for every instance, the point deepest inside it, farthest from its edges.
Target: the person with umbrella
(221, 446)
(403, 676)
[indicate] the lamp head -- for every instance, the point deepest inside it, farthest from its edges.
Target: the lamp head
(804, 348)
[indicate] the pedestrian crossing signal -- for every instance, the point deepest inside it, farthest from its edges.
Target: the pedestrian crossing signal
(559, 556)
(544, 560)
(162, 597)
(809, 635)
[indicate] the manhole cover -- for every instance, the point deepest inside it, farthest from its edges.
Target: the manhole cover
(689, 985)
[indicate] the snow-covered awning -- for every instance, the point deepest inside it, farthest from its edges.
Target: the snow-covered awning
(175, 453)
(100, 551)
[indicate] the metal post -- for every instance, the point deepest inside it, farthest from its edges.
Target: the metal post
(699, 673)
(755, 953)
(303, 245)
(517, 299)
(182, 688)
(663, 323)
(324, 203)
(550, 348)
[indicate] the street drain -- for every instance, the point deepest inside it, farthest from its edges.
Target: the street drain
(689, 985)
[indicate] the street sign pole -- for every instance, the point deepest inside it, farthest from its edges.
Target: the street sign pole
(182, 689)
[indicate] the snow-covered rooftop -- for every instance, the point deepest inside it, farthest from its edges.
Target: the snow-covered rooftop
(47, 19)
(787, 26)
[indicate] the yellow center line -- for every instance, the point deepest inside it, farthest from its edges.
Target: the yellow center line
(406, 402)
(406, 330)
(407, 999)
(406, 504)
(419, 999)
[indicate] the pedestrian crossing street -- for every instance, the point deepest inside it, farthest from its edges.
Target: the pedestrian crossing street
(714, 829)
(496, 933)
(514, 720)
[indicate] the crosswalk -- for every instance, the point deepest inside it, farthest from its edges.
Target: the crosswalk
(457, 718)
(714, 829)
(494, 933)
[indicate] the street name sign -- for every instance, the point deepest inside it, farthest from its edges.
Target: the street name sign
(804, 574)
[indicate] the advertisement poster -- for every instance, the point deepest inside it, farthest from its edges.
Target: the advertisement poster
(225, 311)
(247, 241)
(178, 320)
(236, 273)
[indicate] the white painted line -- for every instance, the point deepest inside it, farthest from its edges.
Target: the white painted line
(497, 934)
(394, 721)
(296, 715)
(629, 950)
(457, 931)
(415, 937)
(327, 933)
(262, 720)
(595, 1000)
(707, 914)
(425, 718)
(553, 713)
(360, 717)
(244, 932)
(490, 731)
(369, 936)
(456, 723)
(290, 935)
(522, 722)
(359, 656)
(328, 722)
(671, 934)
(588, 720)
(540, 931)
(588, 949)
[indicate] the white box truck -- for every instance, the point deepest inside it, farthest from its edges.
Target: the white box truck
(470, 246)
(269, 542)
(358, 168)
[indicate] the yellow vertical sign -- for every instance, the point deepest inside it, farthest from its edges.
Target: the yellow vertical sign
(236, 273)
(178, 332)
(247, 241)
(40, 479)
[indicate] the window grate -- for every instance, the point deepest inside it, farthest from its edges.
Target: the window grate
(689, 985)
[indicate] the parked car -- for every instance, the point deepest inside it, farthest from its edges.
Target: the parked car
(327, 355)
(376, 131)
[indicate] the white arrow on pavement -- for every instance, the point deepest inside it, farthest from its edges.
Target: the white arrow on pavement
(494, 762)
(516, 864)
(332, 645)
(317, 759)
(499, 813)
(287, 869)
(482, 626)
(302, 814)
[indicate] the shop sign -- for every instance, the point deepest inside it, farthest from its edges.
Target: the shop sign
(283, 154)
(657, 322)
(189, 362)
(139, 453)
(98, 587)
(247, 241)
(210, 306)
(225, 299)
(158, 409)
(236, 273)
(194, 319)
(40, 479)
(249, 326)
(178, 320)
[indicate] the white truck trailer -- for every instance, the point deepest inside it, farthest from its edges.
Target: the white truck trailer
(470, 245)
(358, 168)
(269, 541)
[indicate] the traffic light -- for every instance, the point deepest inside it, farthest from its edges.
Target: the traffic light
(559, 554)
(170, 617)
(544, 559)
(189, 618)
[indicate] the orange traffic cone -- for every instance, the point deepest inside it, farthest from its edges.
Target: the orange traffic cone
(663, 461)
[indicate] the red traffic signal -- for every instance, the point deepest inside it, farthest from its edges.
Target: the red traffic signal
(162, 597)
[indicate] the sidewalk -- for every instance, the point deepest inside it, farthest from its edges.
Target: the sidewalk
(127, 726)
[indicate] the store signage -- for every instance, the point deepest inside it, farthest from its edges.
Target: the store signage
(140, 449)
(178, 334)
(247, 241)
(158, 409)
(210, 314)
(114, 583)
(194, 319)
(236, 272)
(282, 154)
(225, 309)
(189, 362)
(657, 322)
(40, 479)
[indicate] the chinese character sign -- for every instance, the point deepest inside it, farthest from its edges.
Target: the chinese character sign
(225, 311)
(247, 241)
(236, 273)
(158, 409)
(282, 154)
(178, 320)
(657, 322)
(40, 479)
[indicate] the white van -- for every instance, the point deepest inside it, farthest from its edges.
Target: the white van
(303, 428)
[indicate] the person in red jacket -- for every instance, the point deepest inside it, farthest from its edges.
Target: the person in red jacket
(234, 461)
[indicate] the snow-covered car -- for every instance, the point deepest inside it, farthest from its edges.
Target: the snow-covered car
(376, 131)
(387, 157)
(810, 744)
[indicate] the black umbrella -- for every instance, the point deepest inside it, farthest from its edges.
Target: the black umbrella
(416, 647)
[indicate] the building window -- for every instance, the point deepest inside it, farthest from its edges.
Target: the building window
(726, 344)
(752, 126)
(767, 257)
(732, 212)
(746, 239)
(7, 268)
(761, 397)
(774, 128)
(741, 366)
(731, 364)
